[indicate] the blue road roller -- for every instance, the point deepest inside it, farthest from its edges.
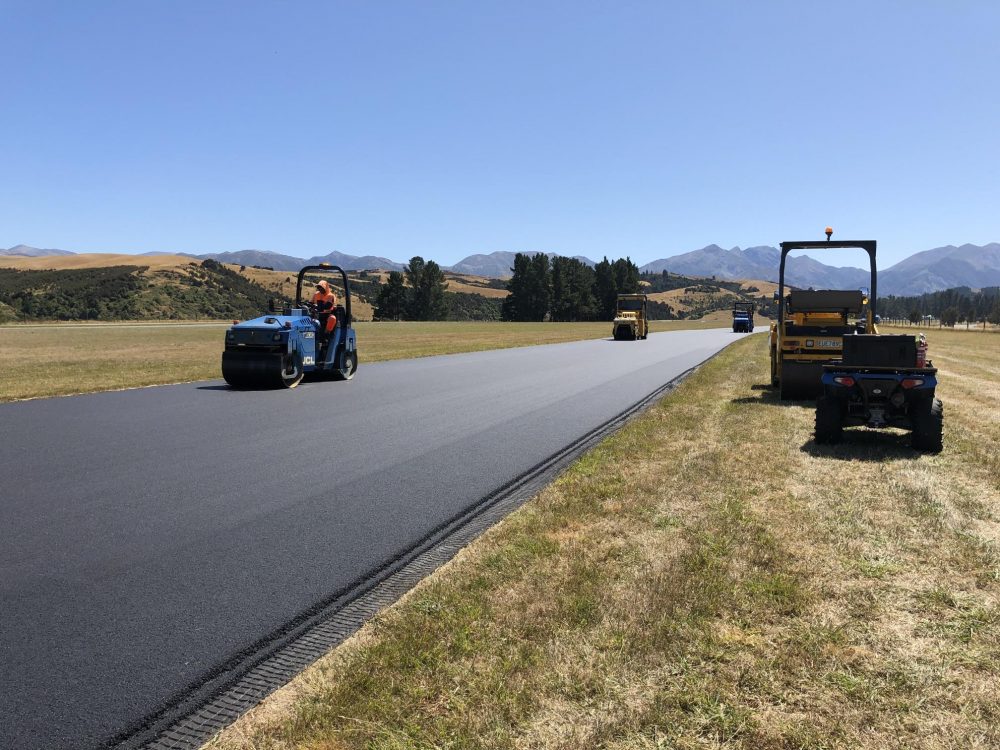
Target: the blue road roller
(743, 317)
(279, 349)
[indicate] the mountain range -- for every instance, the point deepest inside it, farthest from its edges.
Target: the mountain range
(928, 271)
(946, 267)
(32, 252)
(761, 262)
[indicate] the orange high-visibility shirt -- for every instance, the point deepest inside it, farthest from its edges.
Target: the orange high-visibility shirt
(325, 301)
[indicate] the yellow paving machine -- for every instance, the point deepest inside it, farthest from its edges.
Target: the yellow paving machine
(811, 325)
(631, 321)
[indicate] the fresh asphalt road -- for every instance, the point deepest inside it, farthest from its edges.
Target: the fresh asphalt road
(150, 535)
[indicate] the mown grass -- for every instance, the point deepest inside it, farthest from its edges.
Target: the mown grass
(53, 360)
(708, 577)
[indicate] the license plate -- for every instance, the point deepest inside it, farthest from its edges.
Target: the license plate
(828, 344)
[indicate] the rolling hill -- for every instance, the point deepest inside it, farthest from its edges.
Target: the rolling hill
(107, 286)
(760, 262)
(944, 268)
(931, 270)
(32, 252)
(497, 265)
(927, 271)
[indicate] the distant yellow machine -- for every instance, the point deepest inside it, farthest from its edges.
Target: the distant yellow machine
(631, 321)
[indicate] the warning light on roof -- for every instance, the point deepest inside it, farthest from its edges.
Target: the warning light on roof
(829, 233)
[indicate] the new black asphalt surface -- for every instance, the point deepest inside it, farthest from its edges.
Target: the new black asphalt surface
(150, 535)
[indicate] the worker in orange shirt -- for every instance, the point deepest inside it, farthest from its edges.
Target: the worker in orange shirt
(324, 302)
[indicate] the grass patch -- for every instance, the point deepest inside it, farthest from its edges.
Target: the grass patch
(703, 578)
(59, 359)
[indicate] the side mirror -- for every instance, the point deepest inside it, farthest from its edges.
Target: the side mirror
(777, 295)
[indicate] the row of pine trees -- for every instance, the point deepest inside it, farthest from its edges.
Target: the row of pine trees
(950, 306)
(564, 289)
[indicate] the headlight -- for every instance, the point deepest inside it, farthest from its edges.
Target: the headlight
(276, 337)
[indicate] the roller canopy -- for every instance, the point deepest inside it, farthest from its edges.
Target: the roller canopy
(867, 245)
(326, 269)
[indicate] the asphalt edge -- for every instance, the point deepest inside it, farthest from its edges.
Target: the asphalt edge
(195, 718)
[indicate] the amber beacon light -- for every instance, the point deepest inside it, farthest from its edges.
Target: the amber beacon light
(829, 233)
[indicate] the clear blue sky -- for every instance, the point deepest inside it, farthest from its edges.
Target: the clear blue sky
(456, 127)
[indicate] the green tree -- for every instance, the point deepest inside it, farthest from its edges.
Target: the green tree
(391, 301)
(914, 317)
(994, 316)
(514, 306)
(572, 290)
(626, 276)
(529, 289)
(426, 294)
(949, 316)
(539, 287)
(605, 289)
(432, 289)
(414, 273)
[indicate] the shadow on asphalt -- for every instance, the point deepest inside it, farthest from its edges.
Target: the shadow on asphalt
(862, 444)
(214, 388)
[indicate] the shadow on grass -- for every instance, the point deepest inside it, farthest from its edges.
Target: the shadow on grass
(769, 396)
(863, 444)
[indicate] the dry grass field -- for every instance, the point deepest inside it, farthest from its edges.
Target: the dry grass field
(95, 260)
(707, 578)
(60, 359)
(679, 299)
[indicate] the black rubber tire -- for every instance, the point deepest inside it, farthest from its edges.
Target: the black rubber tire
(928, 426)
(829, 420)
(774, 371)
(348, 366)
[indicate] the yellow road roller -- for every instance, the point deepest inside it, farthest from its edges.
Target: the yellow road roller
(811, 325)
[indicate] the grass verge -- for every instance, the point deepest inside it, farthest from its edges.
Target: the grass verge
(54, 360)
(708, 577)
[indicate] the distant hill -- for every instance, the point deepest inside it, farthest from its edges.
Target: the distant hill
(355, 262)
(759, 262)
(943, 268)
(126, 292)
(280, 262)
(497, 265)
(277, 261)
(32, 252)
(928, 271)
(71, 261)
